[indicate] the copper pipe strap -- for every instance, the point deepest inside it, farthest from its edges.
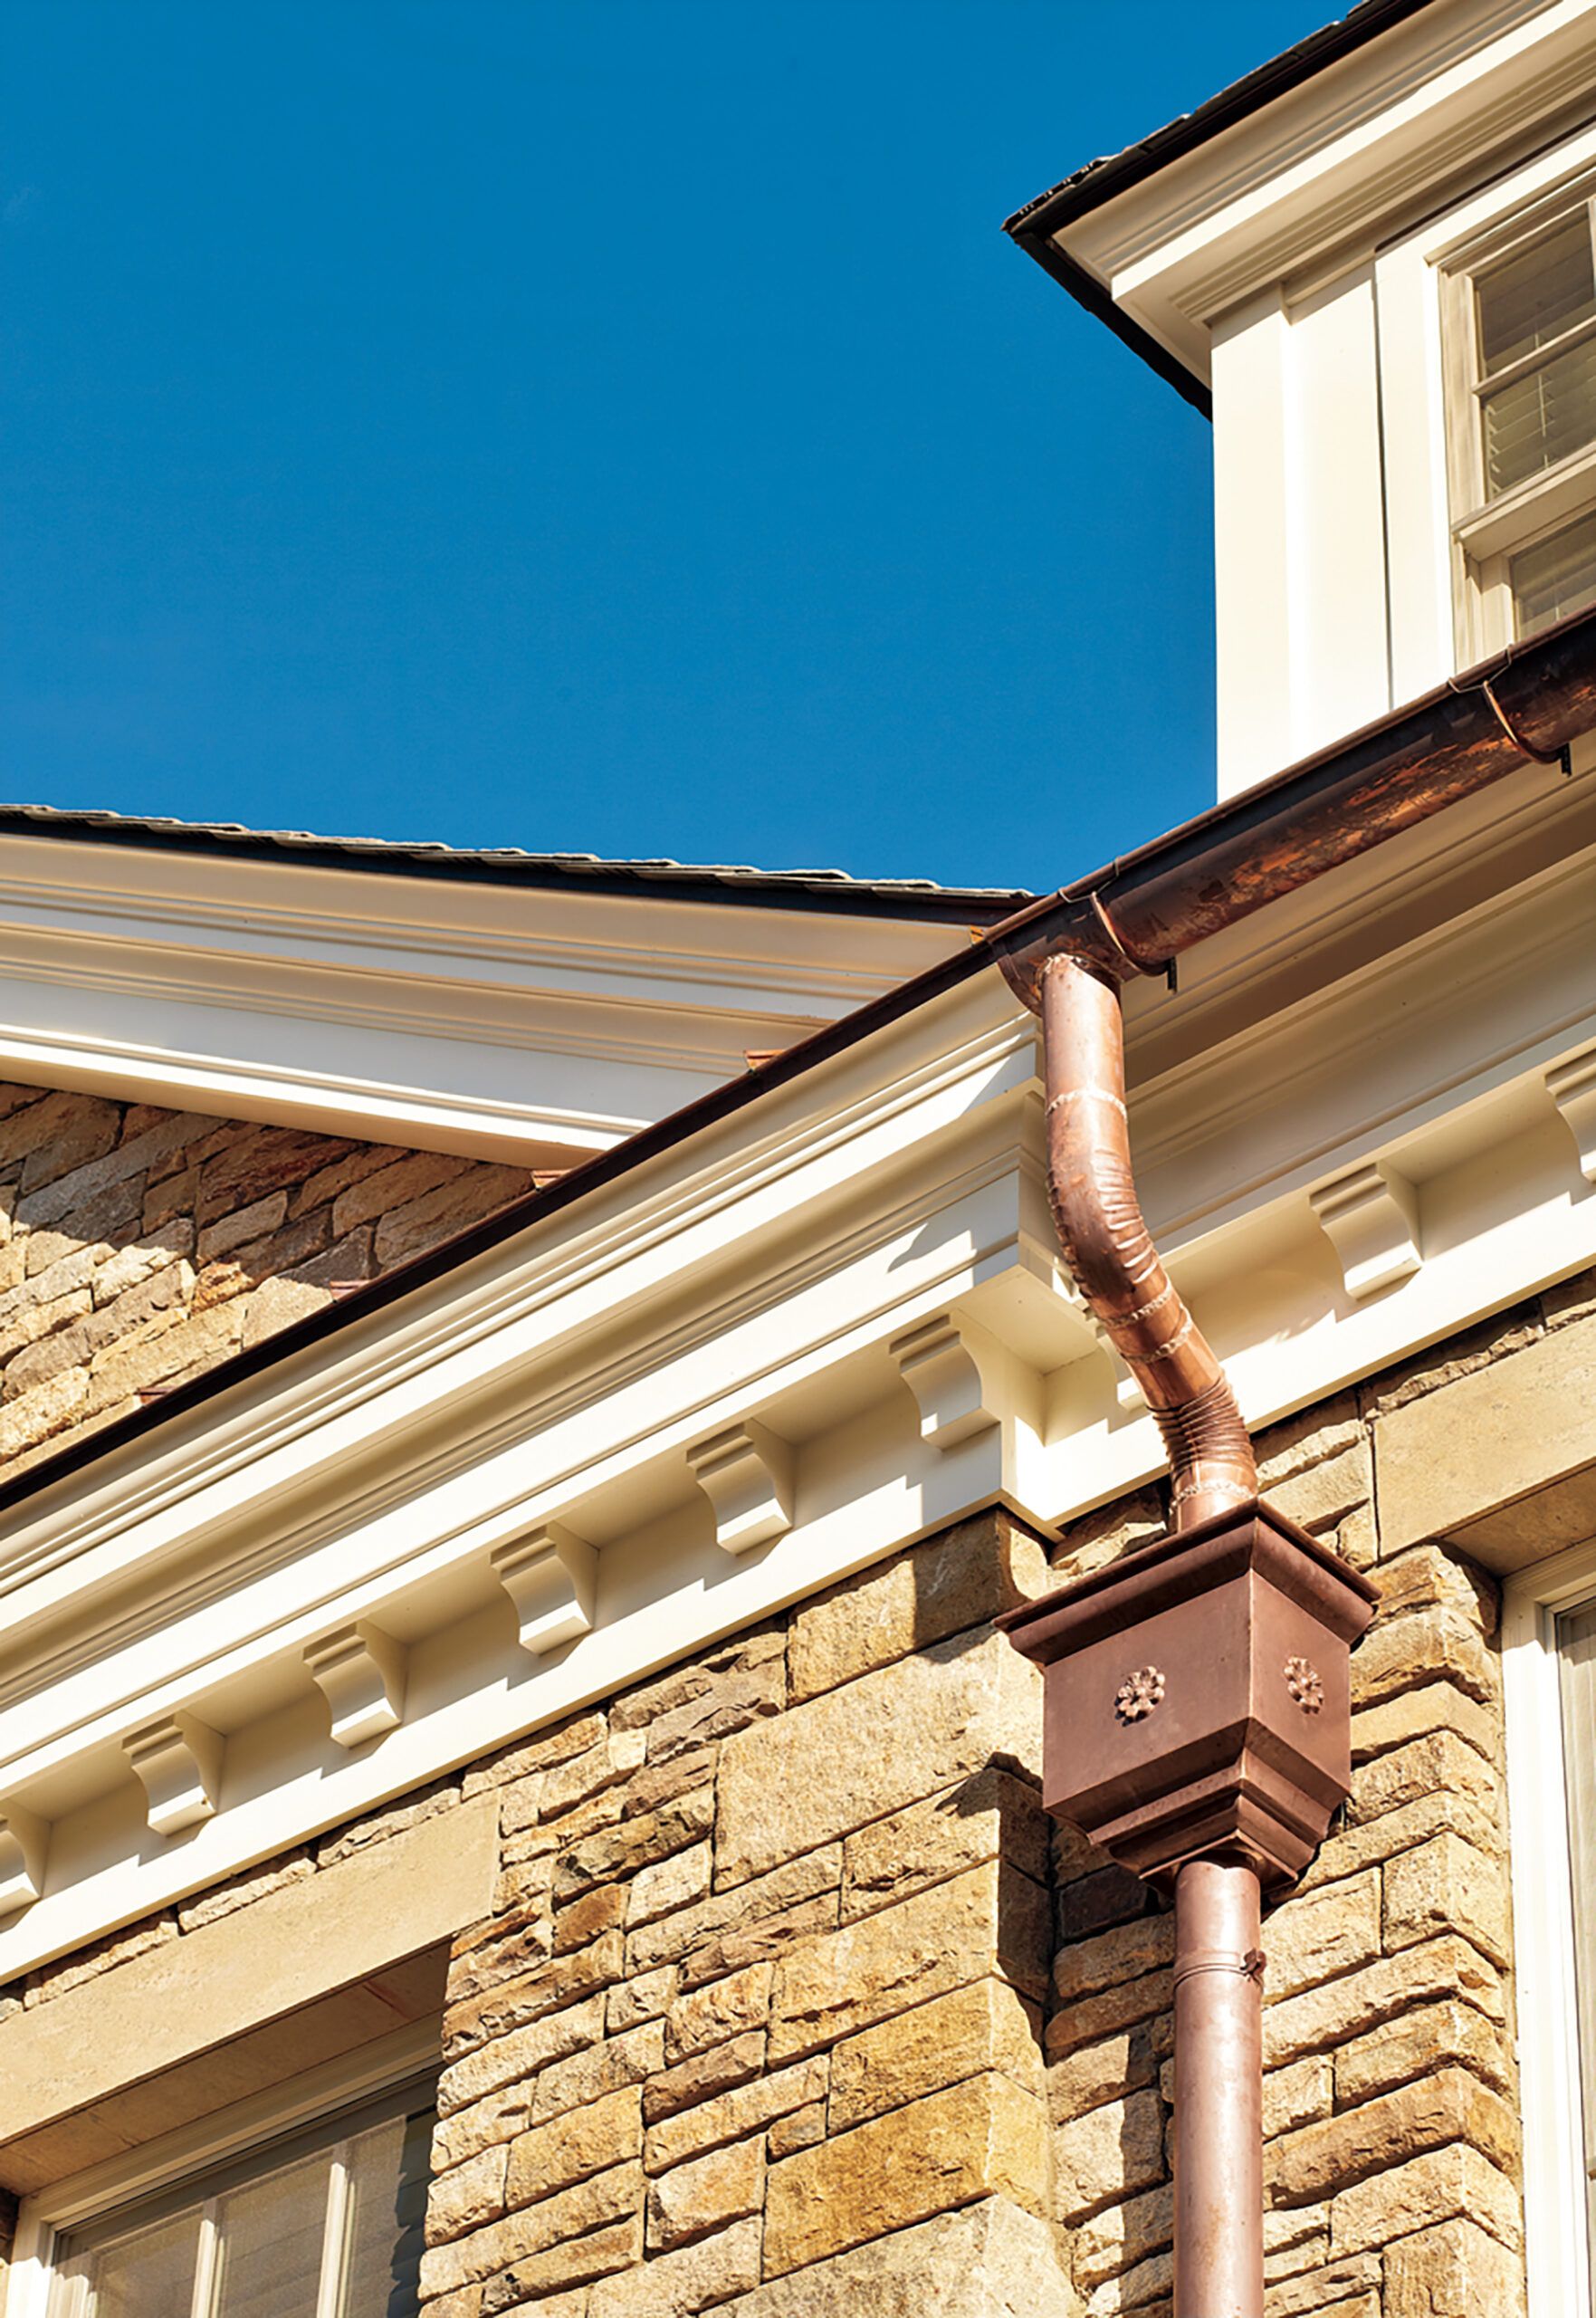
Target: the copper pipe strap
(1247, 1966)
(1085, 1094)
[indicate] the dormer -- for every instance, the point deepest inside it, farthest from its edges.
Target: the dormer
(1372, 260)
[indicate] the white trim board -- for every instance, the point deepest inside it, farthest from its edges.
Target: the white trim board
(1556, 2245)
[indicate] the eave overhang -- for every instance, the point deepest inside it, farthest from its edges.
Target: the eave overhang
(1310, 161)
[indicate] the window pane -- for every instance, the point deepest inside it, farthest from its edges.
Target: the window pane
(147, 2275)
(1576, 1637)
(1554, 578)
(270, 2252)
(1541, 417)
(387, 2205)
(1536, 294)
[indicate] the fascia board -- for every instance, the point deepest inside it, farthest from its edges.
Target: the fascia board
(405, 1010)
(1333, 165)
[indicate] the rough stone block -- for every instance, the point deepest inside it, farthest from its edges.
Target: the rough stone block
(992, 2260)
(724, 2009)
(674, 1882)
(1109, 2154)
(585, 2076)
(510, 2065)
(1451, 2106)
(829, 1767)
(1457, 2271)
(985, 2025)
(1441, 2185)
(652, 1702)
(1403, 2050)
(767, 1901)
(704, 2075)
(466, 2196)
(1334, 2014)
(1412, 1714)
(1435, 1763)
(734, 2116)
(981, 2138)
(1316, 1935)
(944, 1586)
(563, 1981)
(592, 2204)
(1086, 2020)
(648, 1997)
(1365, 1844)
(1109, 1958)
(1109, 2068)
(608, 1854)
(1121, 2236)
(602, 2133)
(1432, 1645)
(705, 2194)
(990, 1816)
(832, 1986)
(535, 2277)
(1448, 1885)
(673, 2286)
(1298, 2094)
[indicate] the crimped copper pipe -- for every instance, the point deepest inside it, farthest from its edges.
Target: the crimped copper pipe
(1112, 1256)
(1218, 2092)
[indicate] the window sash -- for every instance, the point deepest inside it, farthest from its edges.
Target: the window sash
(335, 2140)
(1493, 526)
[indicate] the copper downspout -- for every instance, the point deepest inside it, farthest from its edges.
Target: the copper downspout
(1219, 2004)
(1115, 1264)
(1219, 2152)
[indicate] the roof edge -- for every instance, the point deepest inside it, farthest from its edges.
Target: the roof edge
(1033, 225)
(831, 892)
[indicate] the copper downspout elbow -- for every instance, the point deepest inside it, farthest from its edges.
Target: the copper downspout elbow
(1118, 1269)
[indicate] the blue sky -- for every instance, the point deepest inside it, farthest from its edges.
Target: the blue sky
(611, 427)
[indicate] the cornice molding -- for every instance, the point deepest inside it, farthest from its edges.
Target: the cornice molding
(1345, 159)
(385, 1006)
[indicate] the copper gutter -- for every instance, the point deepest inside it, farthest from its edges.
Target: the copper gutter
(1067, 958)
(1141, 912)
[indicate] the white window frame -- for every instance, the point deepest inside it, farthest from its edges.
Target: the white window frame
(1487, 533)
(407, 2055)
(1557, 2249)
(1446, 549)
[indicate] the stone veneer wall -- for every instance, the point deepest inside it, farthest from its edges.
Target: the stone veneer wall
(139, 1247)
(791, 2006)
